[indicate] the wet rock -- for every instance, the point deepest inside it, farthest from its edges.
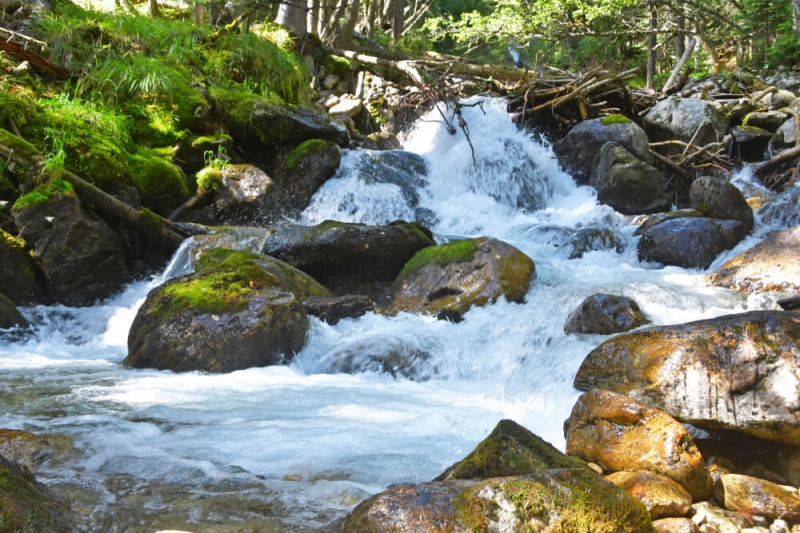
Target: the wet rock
(675, 525)
(80, 255)
(661, 496)
(686, 119)
(783, 210)
(345, 256)
(689, 242)
(33, 451)
(755, 496)
(576, 151)
(605, 314)
(749, 143)
(510, 450)
(769, 266)
(719, 198)
(247, 196)
(21, 278)
(282, 124)
(309, 166)
(784, 136)
(404, 169)
(617, 433)
(658, 218)
(398, 357)
(239, 310)
(593, 239)
(456, 276)
(332, 309)
(552, 500)
(765, 120)
(627, 184)
(10, 317)
(26, 505)
(736, 372)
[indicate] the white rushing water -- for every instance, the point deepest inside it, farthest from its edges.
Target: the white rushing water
(304, 443)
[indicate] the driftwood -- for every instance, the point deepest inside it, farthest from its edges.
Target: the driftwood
(143, 220)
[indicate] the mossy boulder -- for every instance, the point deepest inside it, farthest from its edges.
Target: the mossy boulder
(719, 198)
(195, 152)
(552, 500)
(769, 266)
(283, 124)
(21, 278)
(576, 151)
(82, 258)
(448, 279)
(736, 372)
(161, 185)
(10, 317)
(765, 120)
(238, 310)
(26, 506)
(605, 314)
(307, 167)
(347, 257)
(509, 450)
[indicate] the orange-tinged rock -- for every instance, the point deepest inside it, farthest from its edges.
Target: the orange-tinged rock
(756, 496)
(661, 496)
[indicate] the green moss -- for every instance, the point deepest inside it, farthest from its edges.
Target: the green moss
(235, 106)
(161, 184)
(615, 119)
(305, 150)
(208, 141)
(44, 192)
(25, 507)
(152, 222)
(20, 146)
(208, 179)
(451, 252)
(152, 126)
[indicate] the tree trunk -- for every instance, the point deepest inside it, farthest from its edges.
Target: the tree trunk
(345, 39)
(796, 17)
(312, 21)
(153, 8)
(292, 16)
(397, 19)
(679, 65)
(651, 48)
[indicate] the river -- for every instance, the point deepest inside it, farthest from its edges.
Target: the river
(296, 447)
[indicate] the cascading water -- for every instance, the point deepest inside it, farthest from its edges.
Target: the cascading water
(369, 402)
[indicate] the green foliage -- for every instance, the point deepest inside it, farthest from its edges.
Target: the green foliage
(44, 192)
(451, 252)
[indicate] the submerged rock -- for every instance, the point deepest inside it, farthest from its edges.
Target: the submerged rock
(617, 433)
(239, 310)
(510, 450)
(451, 278)
(783, 210)
(33, 451)
(593, 239)
(736, 372)
(605, 314)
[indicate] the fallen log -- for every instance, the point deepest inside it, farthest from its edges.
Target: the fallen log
(144, 221)
(22, 52)
(761, 169)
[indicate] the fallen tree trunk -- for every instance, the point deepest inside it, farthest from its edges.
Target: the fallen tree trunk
(143, 220)
(404, 66)
(22, 52)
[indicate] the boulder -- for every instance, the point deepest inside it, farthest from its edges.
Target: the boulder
(605, 314)
(784, 136)
(765, 120)
(753, 496)
(26, 505)
(675, 525)
(80, 255)
(332, 309)
(617, 433)
(686, 119)
(551, 500)
(309, 166)
(21, 278)
(577, 149)
(34, 451)
(719, 198)
(281, 124)
(627, 184)
(593, 239)
(689, 242)
(749, 143)
(738, 109)
(769, 266)
(451, 278)
(661, 496)
(736, 372)
(247, 196)
(405, 169)
(389, 355)
(345, 256)
(10, 317)
(788, 80)
(658, 218)
(780, 99)
(712, 84)
(239, 310)
(346, 106)
(783, 210)
(509, 450)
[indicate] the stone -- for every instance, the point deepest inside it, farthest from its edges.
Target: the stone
(689, 242)
(27, 505)
(719, 198)
(347, 106)
(282, 124)
(450, 278)
(605, 314)
(510, 450)
(395, 356)
(307, 167)
(577, 149)
(332, 309)
(754, 496)
(750, 143)
(686, 119)
(735, 372)
(787, 80)
(675, 525)
(617, 432)
(10, 317)
(35, 451)
(784, 136)
(593, 239)
(714, 519)
(769, 266)
(247, 196)
(766, 120)
(661, 496)
(627, 184)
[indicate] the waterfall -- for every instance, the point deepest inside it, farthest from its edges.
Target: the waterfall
(369, 402)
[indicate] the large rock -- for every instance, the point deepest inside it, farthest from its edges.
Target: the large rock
(510, 450)
(788, 80)
(689, 242)
(769, 266)
(627, 184)
(451, 278)
(576, 151)
(80, 255)
(605, 314)
(10, 316)
(407, 170)
(766, 120)
(26, 505)
(783, 210)
(239, 310)
(686, 119)
(755, 496)
(21, 278)
(719, 198)
(784, 136)
(309, 166)
(551, 500)
(661, 496)
(280, 124)
(736, 372)
(247, 196)
(617, 433)
(344, 256)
